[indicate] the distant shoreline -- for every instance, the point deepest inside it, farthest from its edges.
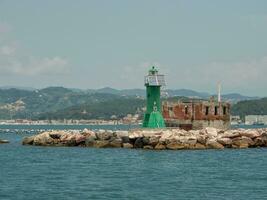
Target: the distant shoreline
(67, 124)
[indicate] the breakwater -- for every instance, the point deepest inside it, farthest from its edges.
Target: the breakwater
(158, 139)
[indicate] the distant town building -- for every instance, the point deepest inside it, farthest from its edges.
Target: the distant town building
(113, 117)
(235, 120)
(256, 119)
(16, 106)
(131, 119)
(197, 114)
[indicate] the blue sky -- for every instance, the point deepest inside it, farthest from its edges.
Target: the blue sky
(93, 44)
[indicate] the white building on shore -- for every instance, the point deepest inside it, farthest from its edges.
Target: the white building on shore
(256, 120)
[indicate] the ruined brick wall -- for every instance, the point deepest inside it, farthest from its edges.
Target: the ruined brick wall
(197, 114)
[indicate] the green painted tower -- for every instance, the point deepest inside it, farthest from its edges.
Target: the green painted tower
(153, 117)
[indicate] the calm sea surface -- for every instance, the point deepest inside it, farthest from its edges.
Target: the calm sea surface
(32, 173)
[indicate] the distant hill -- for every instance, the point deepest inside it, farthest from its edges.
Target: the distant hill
(233, 98)
(101, 103)
(250, 107)
(16, 87)
(44, 100)
(98, 110)
(127, 92)
(142, 92)
(187, 93)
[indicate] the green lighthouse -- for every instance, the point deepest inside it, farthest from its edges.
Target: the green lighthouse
(153, 117)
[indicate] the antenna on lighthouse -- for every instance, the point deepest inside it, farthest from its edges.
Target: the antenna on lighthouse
(219, 92)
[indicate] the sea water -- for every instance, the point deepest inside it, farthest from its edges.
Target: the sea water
(31, 172)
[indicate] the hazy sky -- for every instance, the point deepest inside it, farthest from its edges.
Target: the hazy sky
(93, 44)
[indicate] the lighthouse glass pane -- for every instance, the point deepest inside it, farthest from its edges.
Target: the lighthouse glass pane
(161, 80)
(156, 80)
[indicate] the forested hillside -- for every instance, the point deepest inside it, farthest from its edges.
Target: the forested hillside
(16, 103)
(250, 107)
(63, 103)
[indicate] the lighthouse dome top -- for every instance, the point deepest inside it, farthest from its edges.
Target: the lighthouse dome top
(153, 71)
(154, 79)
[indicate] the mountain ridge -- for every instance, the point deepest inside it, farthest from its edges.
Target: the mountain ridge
(231, 97)
(68, 102)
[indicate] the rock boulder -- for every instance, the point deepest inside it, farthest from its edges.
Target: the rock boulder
(213, 144)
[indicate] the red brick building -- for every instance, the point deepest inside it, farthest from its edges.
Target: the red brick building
(197, 114)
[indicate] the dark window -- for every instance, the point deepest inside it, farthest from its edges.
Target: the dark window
(170, 108)
(216, 110)
(207, 110)
(186, 110)
(224, 110)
